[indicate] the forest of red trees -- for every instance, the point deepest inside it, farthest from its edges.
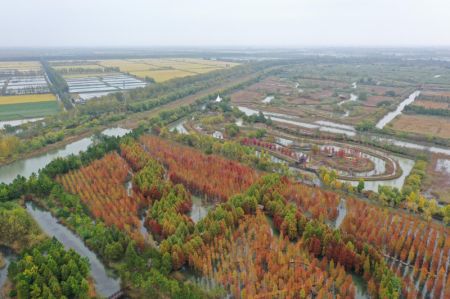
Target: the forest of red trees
(252, 262)
(211, 176)
(100, 186)
(423, 246)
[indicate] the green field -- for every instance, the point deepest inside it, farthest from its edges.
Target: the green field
(28, 110)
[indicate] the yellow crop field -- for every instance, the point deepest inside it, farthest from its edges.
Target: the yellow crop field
(163, 69)
(20, 65)
(32, 98)
(162, 75)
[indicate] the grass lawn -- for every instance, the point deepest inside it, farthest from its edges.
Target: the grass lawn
(28, 110)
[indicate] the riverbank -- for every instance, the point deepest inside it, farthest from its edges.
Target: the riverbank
(47, 148)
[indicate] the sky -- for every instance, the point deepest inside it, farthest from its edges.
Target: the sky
(224, 23)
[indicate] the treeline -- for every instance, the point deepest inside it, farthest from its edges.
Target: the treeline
(49, 271)
(17, 229)
(427, 111)
(12, 145)
(435, 98)
(58, 85)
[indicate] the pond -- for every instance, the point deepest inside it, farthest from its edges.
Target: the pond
(26, 167)
(105, 285)
(393, 114)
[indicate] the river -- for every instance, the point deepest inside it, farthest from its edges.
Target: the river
(26, 167)
(104, 284)
(325, 126)
(393, 114)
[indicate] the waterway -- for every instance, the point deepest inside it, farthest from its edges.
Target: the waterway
(405, 164)
(26, 167)
(353, 98)
(391, 115)
(325, 126)
(105, 284)
(8, 256)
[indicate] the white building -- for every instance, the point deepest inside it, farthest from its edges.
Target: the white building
(218, 99)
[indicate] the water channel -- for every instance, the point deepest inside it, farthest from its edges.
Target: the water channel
(104, 283)
(391, 115)
(8, 256)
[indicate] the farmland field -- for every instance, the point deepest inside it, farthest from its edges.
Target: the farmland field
(423, 125)
(432, 105)
(19, 65)
(34, 98)
(437, 182)
(166, 69)
(162, 75)
(24, 91)
(28, 110)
